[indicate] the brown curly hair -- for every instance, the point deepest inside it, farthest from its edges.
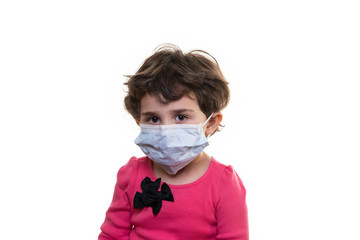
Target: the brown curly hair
(169, 74)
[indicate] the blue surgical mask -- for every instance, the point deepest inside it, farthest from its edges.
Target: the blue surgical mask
(174, 146)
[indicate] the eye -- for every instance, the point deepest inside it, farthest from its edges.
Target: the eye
(153, 120)
(181, 118)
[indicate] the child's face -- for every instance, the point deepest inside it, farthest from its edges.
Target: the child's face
(186, 110)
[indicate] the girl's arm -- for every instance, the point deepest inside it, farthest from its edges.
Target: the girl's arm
(231, 211)
(117, 224)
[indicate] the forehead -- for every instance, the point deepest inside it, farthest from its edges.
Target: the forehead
(150, 103)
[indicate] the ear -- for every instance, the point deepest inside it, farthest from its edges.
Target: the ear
(213, 123)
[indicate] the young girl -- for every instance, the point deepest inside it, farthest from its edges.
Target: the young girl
(177, 191)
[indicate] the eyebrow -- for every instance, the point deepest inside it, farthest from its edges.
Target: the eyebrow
(176, 111)
(182, 110)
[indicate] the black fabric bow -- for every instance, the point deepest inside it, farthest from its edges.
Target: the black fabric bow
(151, 197)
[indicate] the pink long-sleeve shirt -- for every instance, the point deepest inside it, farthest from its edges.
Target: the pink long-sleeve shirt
(212, 207)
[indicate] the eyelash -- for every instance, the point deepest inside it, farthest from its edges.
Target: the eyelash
(156, 119)
(151, 119)
(182, 115)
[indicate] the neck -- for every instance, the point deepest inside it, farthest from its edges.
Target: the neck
(190, 173)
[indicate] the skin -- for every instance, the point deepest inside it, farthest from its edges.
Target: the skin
(183, 111)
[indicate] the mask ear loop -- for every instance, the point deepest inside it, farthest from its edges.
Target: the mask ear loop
(202, 127)
(207, 120)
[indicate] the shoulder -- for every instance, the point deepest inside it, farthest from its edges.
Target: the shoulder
(227, 177)
(129, 171)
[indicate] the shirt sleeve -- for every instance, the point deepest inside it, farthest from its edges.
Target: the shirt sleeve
(117, 224)
(231, 210)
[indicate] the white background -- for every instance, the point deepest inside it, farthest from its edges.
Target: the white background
(292, 127)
